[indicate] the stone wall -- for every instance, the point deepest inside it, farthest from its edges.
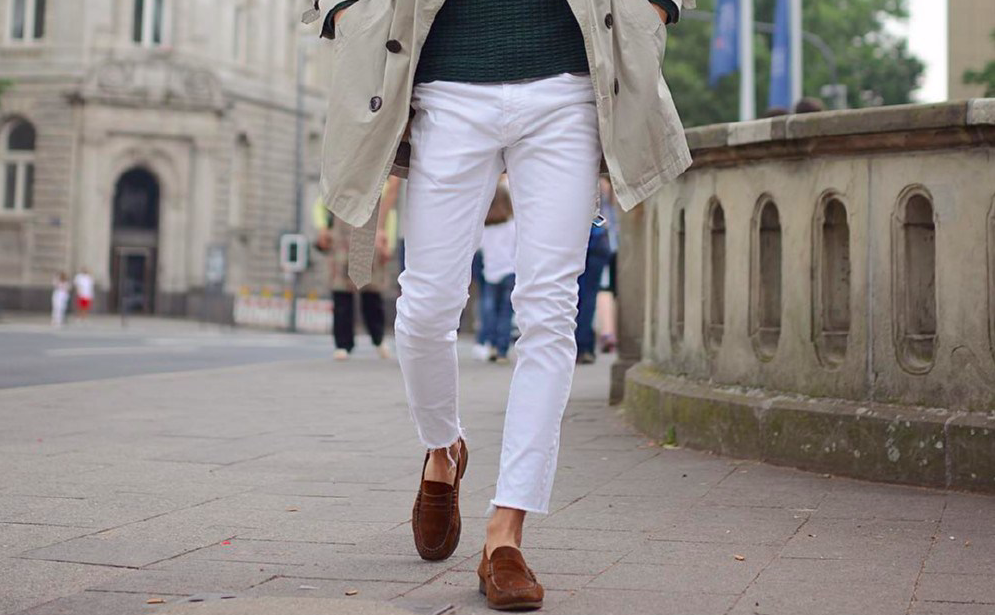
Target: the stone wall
(820, 291)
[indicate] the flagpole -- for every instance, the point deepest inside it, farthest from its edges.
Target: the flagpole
(747, 68)
(796, 51)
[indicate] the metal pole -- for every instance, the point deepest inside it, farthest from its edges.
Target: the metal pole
(797, 74)
(298, 174)
(747, 67)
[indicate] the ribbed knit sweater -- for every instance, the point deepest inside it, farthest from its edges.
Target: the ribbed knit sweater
(498, 41)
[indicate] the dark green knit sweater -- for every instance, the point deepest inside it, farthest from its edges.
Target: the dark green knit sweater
(494, 41)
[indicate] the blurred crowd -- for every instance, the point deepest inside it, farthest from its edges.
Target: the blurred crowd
(491, 307)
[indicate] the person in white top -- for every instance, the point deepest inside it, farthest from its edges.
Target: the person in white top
(60, 299)
(498, 249)
(83, 283)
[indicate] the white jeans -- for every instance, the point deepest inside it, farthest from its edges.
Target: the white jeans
(545, 133)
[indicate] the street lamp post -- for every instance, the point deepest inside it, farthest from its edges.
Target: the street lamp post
(298, 171)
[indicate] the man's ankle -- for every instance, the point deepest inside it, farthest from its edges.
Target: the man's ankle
(442, 467)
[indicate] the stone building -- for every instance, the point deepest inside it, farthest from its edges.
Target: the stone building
(138, 137)
(970, 26)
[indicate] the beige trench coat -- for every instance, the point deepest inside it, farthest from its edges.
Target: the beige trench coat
(375, 53)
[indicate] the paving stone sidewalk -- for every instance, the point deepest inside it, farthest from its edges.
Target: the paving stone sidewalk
(288, 486)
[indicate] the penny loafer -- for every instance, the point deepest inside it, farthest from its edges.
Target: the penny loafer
(435, 519)
(508, 583)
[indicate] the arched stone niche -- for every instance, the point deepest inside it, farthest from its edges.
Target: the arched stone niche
(678, 277)
(765, 279)
(831, 280)
(714, 260)
(991, 278)
(913, 267)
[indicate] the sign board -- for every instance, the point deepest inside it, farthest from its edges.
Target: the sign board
(293, 253)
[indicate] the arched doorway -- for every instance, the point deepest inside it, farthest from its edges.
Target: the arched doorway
(134, 242)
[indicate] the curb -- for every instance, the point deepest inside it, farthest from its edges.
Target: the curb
(930, 447)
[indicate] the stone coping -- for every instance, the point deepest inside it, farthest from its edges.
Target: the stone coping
(918, 126)
(900, 444)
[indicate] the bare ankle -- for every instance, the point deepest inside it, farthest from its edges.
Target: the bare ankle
(442, 464)
(504, 529)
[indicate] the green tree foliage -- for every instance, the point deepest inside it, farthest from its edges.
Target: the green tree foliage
(876, 67)
(984, 77)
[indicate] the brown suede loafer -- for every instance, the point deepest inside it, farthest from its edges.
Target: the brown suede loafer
(435, 519)
(507, 582)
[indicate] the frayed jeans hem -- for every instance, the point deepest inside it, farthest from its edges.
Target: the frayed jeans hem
(494, 505)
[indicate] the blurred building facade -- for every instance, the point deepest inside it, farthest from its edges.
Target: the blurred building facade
(970, 26)
(151, 141)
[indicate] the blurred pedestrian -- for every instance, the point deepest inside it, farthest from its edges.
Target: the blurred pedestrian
(333, 238)
(606, 306)
(60, 299)
(598, 255)
(482, 347)
(83, 284)
(810, 104)
(774, 112)
(498, 251)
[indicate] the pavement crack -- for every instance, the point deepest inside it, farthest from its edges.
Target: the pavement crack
(776, 556)
(69, 561)
(922, 565)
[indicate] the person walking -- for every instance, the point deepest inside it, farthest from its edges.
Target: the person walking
(60, 299)
(333, 239)
(83, 284)
(589, 283)
(547, 90)
(606, 312)
(498, 253)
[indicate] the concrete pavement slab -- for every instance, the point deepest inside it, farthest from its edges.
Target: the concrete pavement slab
(626, 602)
(298, 606)
(258, 480)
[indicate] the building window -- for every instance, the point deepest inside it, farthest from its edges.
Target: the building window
(715, 277)
(27, 20)
(914, 281)
(831, 281)
(149, 26)
(765, 303)
(17, 175)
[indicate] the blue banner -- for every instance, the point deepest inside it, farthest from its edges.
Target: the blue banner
(725, 41)
(780, 59)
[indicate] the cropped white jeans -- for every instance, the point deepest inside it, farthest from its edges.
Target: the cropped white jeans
(545, 133)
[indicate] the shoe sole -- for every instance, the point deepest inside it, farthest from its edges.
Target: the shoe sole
(514, 606)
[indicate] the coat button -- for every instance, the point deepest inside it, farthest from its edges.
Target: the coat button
(375, 103)
(616, 87)
(609, 21)
(394, 46)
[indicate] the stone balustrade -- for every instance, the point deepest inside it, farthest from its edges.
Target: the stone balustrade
(819, 290)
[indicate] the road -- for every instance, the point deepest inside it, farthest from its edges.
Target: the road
(32, 352)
